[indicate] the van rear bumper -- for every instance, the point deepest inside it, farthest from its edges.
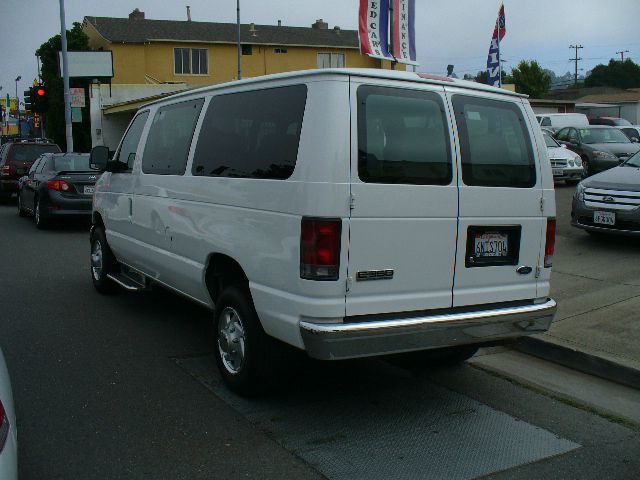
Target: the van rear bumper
(363, 339)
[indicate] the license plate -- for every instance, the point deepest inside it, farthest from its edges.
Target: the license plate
(88, 190)
(491, 245)
(604, 218)
(558, 172)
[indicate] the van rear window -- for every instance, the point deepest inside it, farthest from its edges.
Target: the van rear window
(494, 143)
(28, 152)
(402, 137)
(251, 134)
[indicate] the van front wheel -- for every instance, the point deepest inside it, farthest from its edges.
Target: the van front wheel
(244, 352)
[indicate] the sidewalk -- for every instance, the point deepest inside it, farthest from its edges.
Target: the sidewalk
(597, 326)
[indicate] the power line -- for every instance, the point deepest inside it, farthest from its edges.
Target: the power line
(622, 52)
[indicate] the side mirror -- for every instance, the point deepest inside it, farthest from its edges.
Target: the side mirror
(563, 145)
(99, 157)
(635, 139)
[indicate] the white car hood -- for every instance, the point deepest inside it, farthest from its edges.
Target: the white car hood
(559, 152)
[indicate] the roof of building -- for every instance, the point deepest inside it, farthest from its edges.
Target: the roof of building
(125, 30)
(631, 95)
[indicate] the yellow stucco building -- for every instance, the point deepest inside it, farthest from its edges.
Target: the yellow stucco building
(202, 53)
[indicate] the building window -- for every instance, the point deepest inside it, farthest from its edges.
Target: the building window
(279, 50)
(247, 49)
(331, 60)
(191, 61)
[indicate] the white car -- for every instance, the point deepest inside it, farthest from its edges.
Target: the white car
(565, 164)
(345, 212)
(8, 432)
(631, 131)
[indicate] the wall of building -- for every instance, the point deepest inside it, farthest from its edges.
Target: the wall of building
(628, 111)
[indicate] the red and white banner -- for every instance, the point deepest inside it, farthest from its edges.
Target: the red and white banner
(374, 28)
(404, 37)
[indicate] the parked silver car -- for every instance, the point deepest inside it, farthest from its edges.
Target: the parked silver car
(610, 201)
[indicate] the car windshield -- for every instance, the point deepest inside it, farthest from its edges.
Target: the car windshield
(28, 152)
(550, 141)
(603, 135)
(71, 163)
(634, 161)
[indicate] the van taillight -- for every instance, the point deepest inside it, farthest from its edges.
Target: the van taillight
(550, 246)
(320, 249)
(5, 170)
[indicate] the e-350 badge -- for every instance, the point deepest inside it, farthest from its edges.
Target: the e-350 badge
(386, 274)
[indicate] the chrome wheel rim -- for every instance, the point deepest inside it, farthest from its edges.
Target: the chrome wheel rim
(231, 340)
(96, 260)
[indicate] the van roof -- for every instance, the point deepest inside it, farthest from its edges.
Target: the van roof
(417, 77)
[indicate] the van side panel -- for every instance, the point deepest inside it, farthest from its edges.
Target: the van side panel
(257, 222)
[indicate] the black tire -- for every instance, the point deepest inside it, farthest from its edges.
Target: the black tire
(416, 361)
(103, 262)
(245, 354)
(21, 211)
(41, 222)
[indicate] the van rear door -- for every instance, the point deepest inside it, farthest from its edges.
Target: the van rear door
(501, 225)
(404, 199)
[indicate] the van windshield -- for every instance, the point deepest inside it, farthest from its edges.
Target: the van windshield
(402, 137)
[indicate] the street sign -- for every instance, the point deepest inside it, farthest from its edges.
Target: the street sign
(77, 97)
(76, 114)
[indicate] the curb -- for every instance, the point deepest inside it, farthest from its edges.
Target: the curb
(579, 360)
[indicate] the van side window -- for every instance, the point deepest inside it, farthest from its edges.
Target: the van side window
(402, 137)
(494, 143)
(127, 152)
(251, 134)
(169, 139)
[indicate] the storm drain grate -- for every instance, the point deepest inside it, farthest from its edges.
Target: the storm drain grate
(362, 420)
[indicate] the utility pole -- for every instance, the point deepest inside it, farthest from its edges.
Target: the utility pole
(577, 47)
(239, 47)
(621, 53)
(65, 78)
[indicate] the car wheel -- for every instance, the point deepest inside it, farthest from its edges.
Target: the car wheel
(103, 262)
(245, 354)
(41, 222)
(21, 211)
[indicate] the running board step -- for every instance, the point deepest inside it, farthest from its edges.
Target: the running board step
(126, 282)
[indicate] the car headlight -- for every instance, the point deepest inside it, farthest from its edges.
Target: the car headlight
(579, 195)
(604, 155)
(570, 163)
(578, 161)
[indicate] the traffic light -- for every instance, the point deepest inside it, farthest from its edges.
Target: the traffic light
(40, 100)
(28, 99)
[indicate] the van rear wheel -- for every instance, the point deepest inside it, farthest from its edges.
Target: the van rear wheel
(103, 262)
(245, 354)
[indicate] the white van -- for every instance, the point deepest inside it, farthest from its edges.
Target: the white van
(345, 212)
(556, 121)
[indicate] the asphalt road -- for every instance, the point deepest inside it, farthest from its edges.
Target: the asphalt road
(120, 387)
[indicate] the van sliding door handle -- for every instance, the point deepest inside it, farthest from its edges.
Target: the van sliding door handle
(130, 206)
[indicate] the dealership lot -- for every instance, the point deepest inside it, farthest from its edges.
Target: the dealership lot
(125, 386)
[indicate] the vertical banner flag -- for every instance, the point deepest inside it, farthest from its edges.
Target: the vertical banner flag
(494, 68)
(374, 28)
(404, 31)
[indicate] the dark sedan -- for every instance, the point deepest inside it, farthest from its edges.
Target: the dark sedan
(600, 147)
(609, 202)
(58, 186)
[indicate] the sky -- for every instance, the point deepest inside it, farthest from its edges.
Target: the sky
(447, 31)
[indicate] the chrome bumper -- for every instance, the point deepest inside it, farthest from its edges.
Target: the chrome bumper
(381, 337)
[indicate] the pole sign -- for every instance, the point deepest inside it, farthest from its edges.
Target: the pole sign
(374, 29)
(77, 97)
(404, 32)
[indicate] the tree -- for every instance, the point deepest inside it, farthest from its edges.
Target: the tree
(77, 40)
(617, 74)
(483, 76)
(531, 79)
